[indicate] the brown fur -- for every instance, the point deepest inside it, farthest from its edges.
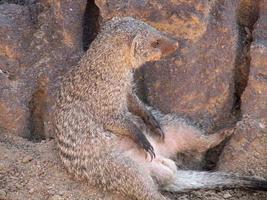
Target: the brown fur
(92, 115)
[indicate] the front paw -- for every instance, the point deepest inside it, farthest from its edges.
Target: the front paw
(154, 126)
(145, 144)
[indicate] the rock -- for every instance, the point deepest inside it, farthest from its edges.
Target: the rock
(15, 31)
(227, 195)
(246, 151)
(255, 96)
(39, 42)
(2, 167)
(56, 197)
(198, 81)
(27, 159)
(2, 195)
(31, 191)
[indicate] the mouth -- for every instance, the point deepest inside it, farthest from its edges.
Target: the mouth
(157, 56)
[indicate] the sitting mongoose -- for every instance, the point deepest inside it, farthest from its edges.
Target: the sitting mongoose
(97, 128)
(103, 82)
(92, 107)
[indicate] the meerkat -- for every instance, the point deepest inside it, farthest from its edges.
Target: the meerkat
(104, 131)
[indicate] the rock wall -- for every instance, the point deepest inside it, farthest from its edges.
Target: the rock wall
(40, 41)
(247, 150)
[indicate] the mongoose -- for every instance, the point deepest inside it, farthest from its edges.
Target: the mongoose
(103, 82)
(101, 138)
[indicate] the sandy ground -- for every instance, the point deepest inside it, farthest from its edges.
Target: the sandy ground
(32, 171)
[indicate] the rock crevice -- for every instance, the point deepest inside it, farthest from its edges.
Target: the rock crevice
(247, 16)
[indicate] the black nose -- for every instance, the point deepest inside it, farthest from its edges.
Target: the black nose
(168, 46)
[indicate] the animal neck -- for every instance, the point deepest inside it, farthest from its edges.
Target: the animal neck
(117, 62)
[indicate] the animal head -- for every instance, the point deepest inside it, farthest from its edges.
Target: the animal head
(145, 43)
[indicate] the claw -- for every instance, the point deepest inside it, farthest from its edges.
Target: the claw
(150, 151)
(159, 132)
(145, 144)
(156, 127)
(151, 154)
(162, 135)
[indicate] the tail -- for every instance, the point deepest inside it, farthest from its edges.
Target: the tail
(193, 180)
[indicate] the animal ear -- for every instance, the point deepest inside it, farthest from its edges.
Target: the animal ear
(134, 43)
(109, 24)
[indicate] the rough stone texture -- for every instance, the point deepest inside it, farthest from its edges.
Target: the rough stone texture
(254, 100)
(198, 81)
(247, 150)
(38, 42)
(16, 28)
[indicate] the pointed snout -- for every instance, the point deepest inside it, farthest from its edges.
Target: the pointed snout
(168, 46)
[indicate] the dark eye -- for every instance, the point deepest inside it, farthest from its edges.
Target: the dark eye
(155, 44)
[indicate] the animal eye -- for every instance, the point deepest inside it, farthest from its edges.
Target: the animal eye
(155, 44)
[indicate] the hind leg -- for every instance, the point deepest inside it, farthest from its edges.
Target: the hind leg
(125, 177)
(180, 136)
(163, 171)
(185, 139)
(94, 154)
(113, 171)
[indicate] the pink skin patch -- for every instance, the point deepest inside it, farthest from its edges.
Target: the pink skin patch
(179, 137)
(161, 168)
